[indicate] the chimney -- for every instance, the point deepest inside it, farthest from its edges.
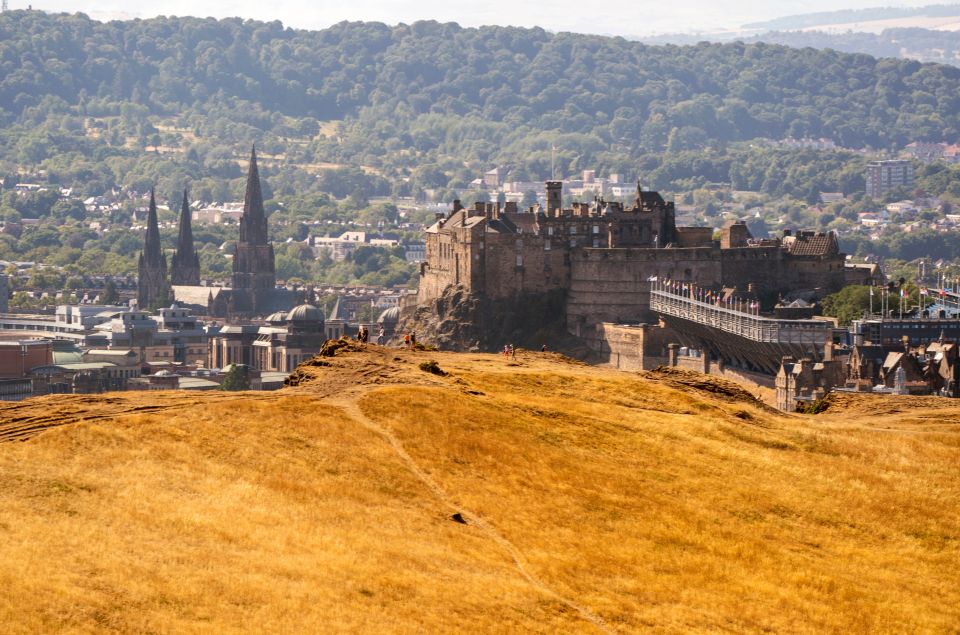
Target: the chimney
(554, 197)
(457, 206)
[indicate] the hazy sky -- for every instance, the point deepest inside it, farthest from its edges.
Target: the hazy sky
(615, 17)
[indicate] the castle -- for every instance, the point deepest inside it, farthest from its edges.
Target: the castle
(253, 292)
(595, 261)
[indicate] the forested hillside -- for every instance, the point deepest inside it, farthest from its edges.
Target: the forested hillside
(363, 110)
(411, 94)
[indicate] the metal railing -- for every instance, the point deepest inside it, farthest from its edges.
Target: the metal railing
(747, 324)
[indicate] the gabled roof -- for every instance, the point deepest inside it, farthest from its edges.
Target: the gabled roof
(819, 244)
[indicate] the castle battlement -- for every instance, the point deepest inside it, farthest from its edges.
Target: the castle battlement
(601, 255)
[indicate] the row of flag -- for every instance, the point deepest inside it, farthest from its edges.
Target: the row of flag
(688, 289)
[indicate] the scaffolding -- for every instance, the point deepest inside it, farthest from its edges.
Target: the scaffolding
(735, 332)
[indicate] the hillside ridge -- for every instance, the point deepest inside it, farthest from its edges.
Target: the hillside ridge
(525, 494)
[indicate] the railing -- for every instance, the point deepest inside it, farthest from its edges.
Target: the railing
(742, 323)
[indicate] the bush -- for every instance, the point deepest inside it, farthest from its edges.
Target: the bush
(433, 368)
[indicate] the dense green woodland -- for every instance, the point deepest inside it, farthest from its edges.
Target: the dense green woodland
(362, 110)
(429, 86)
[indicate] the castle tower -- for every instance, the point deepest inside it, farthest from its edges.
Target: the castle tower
(253, 264)
(185, 268)
(152, 289)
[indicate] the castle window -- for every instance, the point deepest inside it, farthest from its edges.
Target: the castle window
(596, 229)
(546, 245)
(550, 231)
(519, 260)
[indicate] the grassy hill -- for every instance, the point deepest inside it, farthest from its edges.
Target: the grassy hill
(590, 500)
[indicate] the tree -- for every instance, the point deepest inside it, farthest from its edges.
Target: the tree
(110, 295)
(237, 378)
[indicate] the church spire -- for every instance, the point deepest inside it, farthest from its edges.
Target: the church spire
(253, 224)
(185, 268)
(152, 287)
(151, 243)
(254, 272)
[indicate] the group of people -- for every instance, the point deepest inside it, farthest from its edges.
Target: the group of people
(410, 340)
(363, 335)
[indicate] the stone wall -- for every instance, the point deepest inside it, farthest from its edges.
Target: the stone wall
(630, 347)
(707, 366)
(612, 285)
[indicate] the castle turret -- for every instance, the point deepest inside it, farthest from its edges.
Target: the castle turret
(185, 267)
(153, 290)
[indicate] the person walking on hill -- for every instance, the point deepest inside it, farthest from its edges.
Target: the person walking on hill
(380, 336)
(413, 339)
(406, 341)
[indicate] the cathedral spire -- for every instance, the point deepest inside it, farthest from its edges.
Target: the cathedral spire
(253, 224)
(151, 243)
(185, 268)
(153, 290)
(254, 272)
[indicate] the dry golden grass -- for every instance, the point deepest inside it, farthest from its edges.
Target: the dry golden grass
(634, 502)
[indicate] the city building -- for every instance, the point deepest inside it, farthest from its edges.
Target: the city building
(886, 176)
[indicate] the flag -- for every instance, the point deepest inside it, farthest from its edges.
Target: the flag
(923, 291)
(652, 279)
(903, 292)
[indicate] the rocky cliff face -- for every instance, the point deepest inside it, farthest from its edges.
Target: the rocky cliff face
(461, 321)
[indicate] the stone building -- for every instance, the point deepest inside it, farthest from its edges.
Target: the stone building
(254, 275)
(289, 339)
(153, 289)
(593, 263)
(805, 381)
(253, 291)
(280, 345)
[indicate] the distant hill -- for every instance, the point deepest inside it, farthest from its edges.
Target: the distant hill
(411, 94)
(849, 16)
(522, 495)
(924, 45)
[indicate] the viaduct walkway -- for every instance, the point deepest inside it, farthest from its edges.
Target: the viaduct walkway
(737, 334)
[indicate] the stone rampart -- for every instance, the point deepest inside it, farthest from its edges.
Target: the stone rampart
(630, 346)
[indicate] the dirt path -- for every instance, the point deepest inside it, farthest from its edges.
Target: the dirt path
(348, 402)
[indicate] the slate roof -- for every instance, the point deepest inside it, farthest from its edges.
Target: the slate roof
(816, 245)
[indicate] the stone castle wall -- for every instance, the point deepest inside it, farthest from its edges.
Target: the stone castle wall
(612, 285)
(630, 347)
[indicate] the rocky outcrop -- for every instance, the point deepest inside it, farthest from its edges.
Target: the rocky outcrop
(461, 321)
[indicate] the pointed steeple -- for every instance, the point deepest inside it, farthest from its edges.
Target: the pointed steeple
(254, 272)
(153, 291)
(253, 224)
(185, 268)
(151, 243)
